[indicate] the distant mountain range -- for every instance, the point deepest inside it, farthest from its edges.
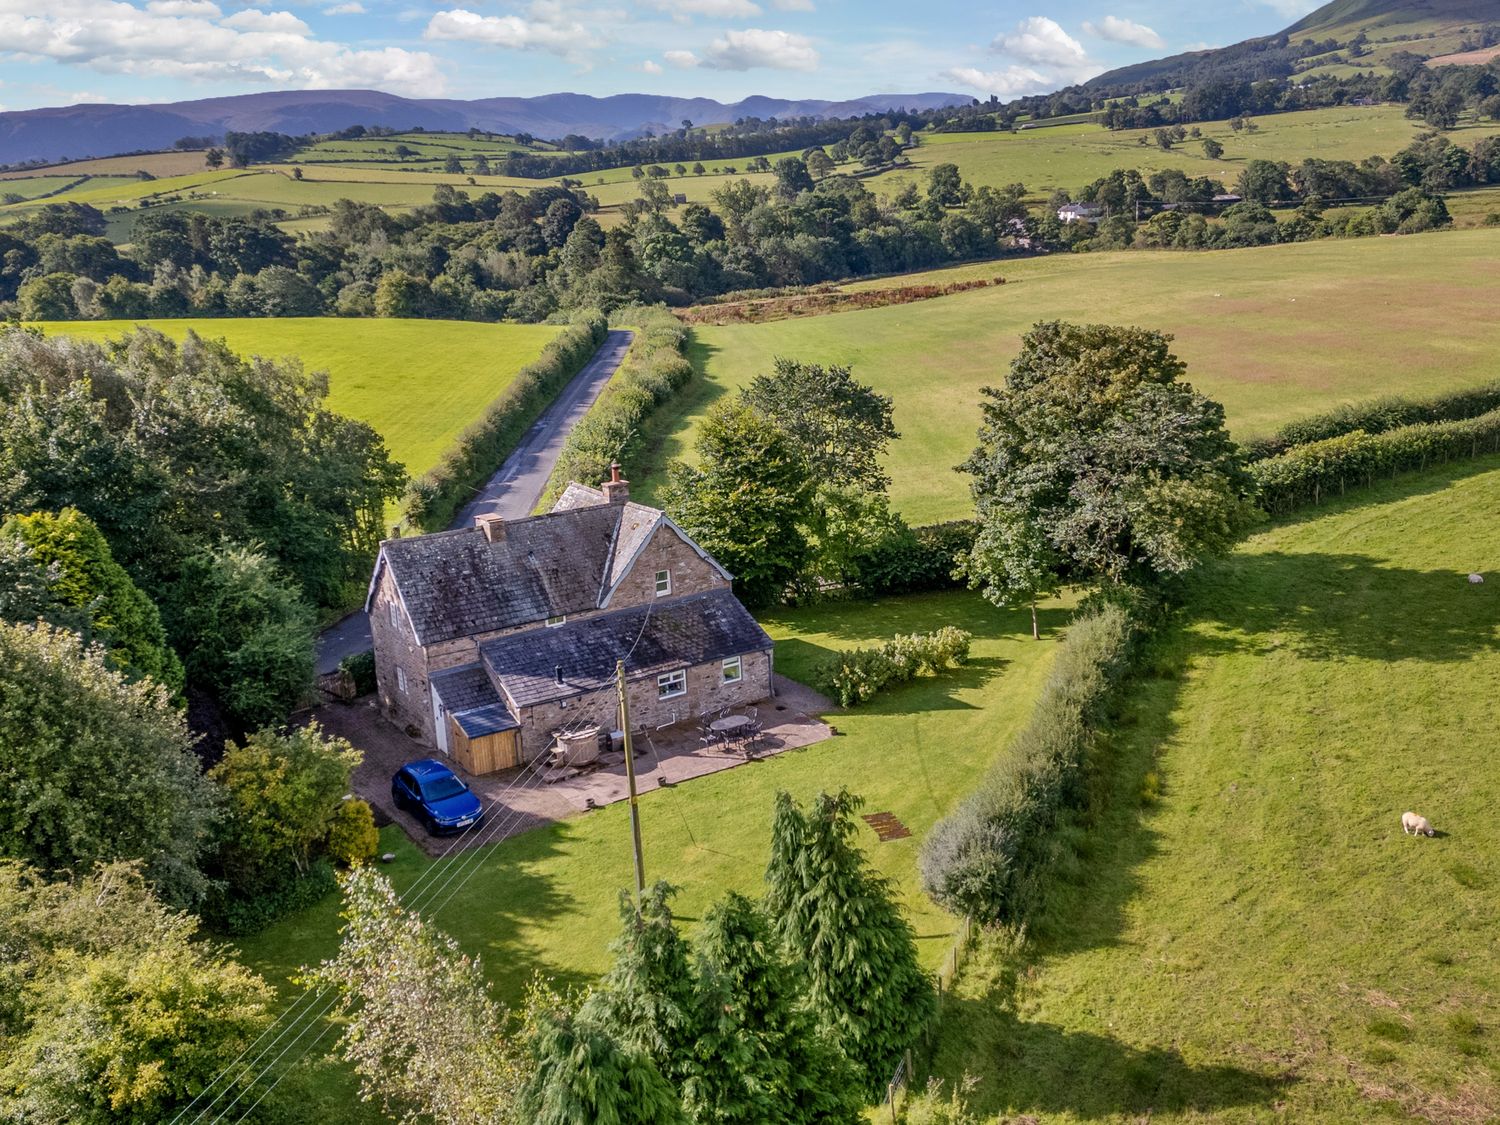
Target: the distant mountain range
(104, 130)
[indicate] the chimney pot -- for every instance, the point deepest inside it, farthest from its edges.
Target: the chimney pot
(616, 489)
(557, 673)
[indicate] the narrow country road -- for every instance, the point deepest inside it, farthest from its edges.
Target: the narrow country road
(515, 489)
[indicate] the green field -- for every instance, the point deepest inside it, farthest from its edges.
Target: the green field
(546, 900)
(1248, 935)
(417, 382)
(1070, 156)
(1272, 333)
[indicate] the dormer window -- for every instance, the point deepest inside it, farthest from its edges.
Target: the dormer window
(663, 583)
(554, 622)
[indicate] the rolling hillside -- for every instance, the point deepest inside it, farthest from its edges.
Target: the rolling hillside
(1422, 27)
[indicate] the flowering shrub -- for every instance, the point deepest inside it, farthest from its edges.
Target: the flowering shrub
(856, 675)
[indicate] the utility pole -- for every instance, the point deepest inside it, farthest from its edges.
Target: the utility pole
(635, 809)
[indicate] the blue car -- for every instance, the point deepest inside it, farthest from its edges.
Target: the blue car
(437, 796)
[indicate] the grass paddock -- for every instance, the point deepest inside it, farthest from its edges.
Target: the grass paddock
(1273, 333)
(417, 382)
(1247, 934)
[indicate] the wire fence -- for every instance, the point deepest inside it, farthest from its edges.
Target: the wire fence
(898, 1089)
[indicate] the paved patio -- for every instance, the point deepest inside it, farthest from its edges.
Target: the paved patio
(520, 799)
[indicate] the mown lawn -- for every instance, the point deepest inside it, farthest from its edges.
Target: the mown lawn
(1248, 934)
(418, 382)
(546, 901)
(1272, 333)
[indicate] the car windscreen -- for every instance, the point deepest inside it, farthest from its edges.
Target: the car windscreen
(441, 788)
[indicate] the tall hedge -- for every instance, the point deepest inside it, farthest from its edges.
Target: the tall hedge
(613, 429)
(433, 498)
(1377, 417)
(984, 858)
(1308, 474)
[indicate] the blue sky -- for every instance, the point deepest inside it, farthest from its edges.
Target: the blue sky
(60, 52)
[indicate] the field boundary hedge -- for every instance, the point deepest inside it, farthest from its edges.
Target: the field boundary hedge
(1310, 473)
(1377, 416)
(616, 425)
(819, 303)
(986, 859)
(433, 498)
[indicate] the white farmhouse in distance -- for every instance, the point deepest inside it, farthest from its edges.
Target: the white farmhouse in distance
(1080, 212)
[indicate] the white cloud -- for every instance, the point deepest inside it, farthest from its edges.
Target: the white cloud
(270, 23)
(651, 66)
(352, 8)
(793, 5)
(191, 40)
(513, 32)
(1045, 58)
(752, 48)
(1039, 40)
(1118, 30)
(713, 9)
(1009, 82)
(184, 8)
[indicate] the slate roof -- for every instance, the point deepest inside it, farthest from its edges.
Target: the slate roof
(689, 631)
(577, 496)
(458, 583)
(471, 699)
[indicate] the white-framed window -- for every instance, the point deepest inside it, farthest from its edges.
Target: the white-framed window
(554, 622)
(395, 614)
(732, 670)
(669, 685)
(400, 679)
(663, 583)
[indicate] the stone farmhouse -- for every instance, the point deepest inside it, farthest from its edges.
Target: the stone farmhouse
(492, 639)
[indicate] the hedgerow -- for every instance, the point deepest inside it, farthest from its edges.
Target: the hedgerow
(984, 859)
(913, 559)
(433, 498)
(1376, 417)
(1309, 473)
(612, 430)
(856, 675)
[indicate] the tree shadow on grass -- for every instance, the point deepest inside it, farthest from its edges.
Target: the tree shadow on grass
(1335, 606)
(1034, 1067)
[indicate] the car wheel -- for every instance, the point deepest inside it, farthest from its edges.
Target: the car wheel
(432, 827)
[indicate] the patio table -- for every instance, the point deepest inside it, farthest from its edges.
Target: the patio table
(729, 724)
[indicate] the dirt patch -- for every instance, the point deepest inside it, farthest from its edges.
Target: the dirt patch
(820, 302)
(1466, 58)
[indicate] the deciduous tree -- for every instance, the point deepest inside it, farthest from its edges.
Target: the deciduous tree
(746, 500)
(1098, 457)
(95, 767)
(421, 1030)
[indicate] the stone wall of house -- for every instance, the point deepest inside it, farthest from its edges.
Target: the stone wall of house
(691, 572)
(396, 647)
(706, 691)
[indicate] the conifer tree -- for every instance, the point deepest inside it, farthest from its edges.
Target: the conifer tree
(583, 1075)
(647, 999)
(838, 917)
(762, 1056)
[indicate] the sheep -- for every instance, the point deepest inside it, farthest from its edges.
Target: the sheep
(1476, 580)
(1414, 825)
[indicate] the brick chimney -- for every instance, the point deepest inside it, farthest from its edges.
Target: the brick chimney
(492, 526)
(616, 490)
